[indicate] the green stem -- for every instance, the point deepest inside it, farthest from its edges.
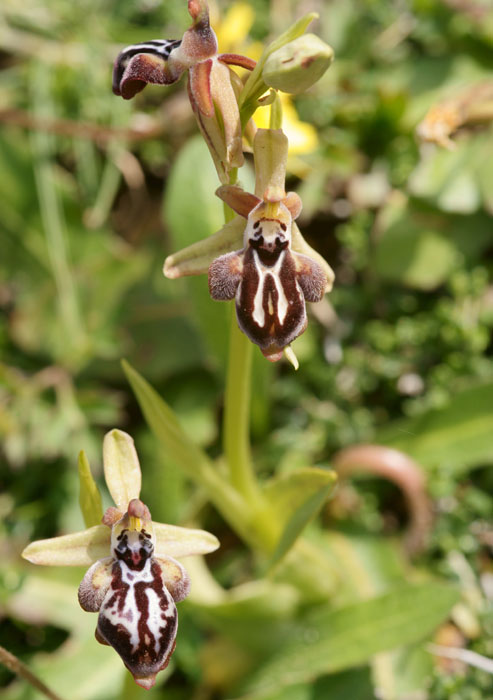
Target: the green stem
(16, 666)
(237, 412)
(275, 121)
(236, 423)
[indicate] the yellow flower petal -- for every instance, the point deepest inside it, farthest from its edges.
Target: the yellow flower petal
(232, 31)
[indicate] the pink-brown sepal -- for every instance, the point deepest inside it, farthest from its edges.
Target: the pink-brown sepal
(142, 69)
(234, 59)
(200, 88)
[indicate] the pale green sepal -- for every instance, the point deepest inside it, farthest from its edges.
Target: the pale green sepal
(296, 66)
(80, 549)
(287, 492)
(121, 468)
(175, 541)
(89, 496)
(270, 149)
(307, 509)
(299, 245)
(196, 258)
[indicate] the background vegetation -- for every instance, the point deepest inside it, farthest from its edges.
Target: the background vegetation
(95, 192)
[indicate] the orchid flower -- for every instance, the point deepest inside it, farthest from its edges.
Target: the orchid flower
(211, 84)
(263, 263)
(134, 579)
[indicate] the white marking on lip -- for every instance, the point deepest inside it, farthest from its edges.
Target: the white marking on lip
(155, 621)
(258, 306)
(130, 615)
(263, 272)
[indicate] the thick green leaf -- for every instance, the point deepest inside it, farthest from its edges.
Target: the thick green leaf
(339, 639)
(289, 491)
(355, 684)
(89, 496)
(310, 503)
(457, 436)
(372, 566)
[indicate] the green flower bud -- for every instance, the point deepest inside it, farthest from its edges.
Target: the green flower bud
(298, 65)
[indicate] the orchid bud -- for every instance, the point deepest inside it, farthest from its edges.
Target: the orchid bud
(298, 65)
(210, 87)
(215, 106)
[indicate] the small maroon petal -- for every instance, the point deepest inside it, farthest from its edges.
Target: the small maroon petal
(111, 516)
(240, 201)
(234, 59)
(200, 87)
(142, 69)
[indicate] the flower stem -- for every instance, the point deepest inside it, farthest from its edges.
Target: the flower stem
(14, 664)
(236, 422)
(237, 412)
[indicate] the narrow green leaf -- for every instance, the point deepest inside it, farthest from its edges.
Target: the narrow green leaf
(164, 423)
(334, 640)
(89, 496)
(187, 456)
(310, 499)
